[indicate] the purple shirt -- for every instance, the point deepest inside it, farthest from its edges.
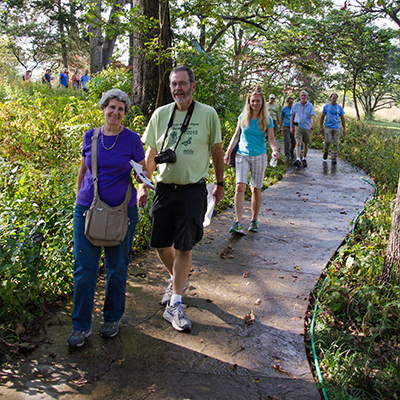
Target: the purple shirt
(113, 168)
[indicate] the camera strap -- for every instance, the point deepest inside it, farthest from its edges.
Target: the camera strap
(184, 126)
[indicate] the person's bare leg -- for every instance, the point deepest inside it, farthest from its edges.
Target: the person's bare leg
(305, 149)
(239, 200)
(298, 150)
(181, 268)
(255, 202)
(167, 257)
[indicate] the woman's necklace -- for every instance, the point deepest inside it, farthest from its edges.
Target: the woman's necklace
(115, 141)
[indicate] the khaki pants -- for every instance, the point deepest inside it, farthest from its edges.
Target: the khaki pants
(332, 136)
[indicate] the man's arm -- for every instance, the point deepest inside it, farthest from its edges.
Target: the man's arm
(312, 122)
(321, 122)
(218, 166)
(343, 125)
(291, 123)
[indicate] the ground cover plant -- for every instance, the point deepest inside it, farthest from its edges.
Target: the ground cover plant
(41, 130)
(357, 327)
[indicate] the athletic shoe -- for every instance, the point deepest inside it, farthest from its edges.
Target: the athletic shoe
(237, 229)
(297, 164)
(177, 317)
(77, 338)
(325, 156)
(253, 226)
(334, 162)
(304, 163)
(110, 329)
(168, 293)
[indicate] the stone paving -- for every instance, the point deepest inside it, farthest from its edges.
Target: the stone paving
(304, 219)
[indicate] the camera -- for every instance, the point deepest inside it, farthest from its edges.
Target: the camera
(165, 156)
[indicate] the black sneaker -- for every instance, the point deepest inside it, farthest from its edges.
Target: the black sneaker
(325, 156)
(304, 163)
(297, 164)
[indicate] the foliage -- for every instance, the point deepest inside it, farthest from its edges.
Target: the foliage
(40, 139)
(348, 42)
(357, 329)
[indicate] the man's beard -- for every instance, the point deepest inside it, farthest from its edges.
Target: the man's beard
(184, 99)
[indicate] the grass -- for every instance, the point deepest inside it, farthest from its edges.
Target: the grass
(358, 323)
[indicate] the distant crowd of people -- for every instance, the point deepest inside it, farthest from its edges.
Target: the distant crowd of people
(77, 81)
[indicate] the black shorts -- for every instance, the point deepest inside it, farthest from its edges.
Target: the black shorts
(177, 215)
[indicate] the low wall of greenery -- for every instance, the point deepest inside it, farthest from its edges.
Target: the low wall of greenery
(358, 321)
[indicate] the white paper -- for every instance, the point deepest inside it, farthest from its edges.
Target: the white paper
(139, 170)
(210, 205)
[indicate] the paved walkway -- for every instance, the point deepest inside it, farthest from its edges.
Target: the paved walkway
(304, 219)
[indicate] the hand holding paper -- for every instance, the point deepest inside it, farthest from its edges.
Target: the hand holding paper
(139, 170)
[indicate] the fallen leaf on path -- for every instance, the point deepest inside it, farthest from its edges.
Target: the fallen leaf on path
(119, 362)
(257, 302)
(19, 329)
(226, 253)
(250, 318)
(210, 300)
(140, 275)
(245, 274)
(233, 367)
(237, 351)
(280, 369)
(80, 381)
(298, 269)
(281, 277)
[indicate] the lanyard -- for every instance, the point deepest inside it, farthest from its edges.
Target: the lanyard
(184, 126)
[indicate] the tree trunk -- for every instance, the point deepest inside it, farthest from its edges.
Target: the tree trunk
(109, 41)
(355, 99)
(145, 72)
(391, 268)
(96, 41)
(344, 94)
(165, 39)
(61, 28)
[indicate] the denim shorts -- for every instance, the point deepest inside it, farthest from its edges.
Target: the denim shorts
(177, 215)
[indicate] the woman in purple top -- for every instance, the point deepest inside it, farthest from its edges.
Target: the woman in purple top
(116, 146)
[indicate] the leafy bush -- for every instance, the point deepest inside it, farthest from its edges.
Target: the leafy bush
(110, 78)
(357, 329)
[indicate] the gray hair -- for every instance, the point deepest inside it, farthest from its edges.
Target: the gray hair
(116, 94)
(192, 78)
(303, 91)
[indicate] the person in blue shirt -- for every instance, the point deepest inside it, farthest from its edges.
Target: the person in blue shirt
(254, 124)
(334, 113)
(288, 137)
(304, 115)
(85, 79)
(64, 78)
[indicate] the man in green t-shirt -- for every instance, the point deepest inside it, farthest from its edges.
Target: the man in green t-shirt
(273, 112)
(181, 136)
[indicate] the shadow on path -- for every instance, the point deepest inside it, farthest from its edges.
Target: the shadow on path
(303, 220)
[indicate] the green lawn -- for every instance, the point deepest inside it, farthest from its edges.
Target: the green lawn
(390, 125)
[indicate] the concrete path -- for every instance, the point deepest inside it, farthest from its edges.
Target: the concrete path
(304, 219)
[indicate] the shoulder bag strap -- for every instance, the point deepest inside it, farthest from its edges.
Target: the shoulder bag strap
(128, 194)
(94, 162)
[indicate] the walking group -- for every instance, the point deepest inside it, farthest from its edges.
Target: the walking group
(64, 82)
(181, 137)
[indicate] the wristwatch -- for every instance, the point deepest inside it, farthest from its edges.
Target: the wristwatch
(222, 184)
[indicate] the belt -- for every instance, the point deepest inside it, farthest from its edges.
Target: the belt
(175, 186)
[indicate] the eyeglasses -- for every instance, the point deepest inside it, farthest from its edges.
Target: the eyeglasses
(182, 84)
